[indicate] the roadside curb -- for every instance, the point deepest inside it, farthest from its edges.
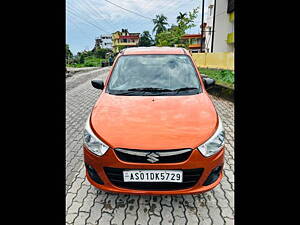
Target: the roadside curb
(80, 78)
(72, 71)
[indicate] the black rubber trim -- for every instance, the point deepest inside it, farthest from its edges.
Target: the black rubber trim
(93, 174)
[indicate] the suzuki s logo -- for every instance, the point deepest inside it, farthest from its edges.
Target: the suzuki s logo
(152, 157)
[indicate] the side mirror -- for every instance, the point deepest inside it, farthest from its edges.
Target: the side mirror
(208, 82)
(98, 84)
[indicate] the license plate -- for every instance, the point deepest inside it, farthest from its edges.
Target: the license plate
(152, 176)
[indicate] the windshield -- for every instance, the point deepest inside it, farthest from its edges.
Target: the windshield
(154, 75)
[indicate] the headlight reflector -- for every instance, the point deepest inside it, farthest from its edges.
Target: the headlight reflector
(215, 143)
(93, 143)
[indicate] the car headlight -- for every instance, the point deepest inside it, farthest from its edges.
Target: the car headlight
(215, 143)
(93, 143)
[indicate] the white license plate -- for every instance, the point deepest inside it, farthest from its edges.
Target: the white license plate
(152, 176)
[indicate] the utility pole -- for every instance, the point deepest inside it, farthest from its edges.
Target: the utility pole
(213, 30)
(202, 26)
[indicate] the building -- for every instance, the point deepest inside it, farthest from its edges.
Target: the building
(124, 39)
(220, 36)
(193, 42)
(104, 41)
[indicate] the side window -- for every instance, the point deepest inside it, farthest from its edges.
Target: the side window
(211, 9)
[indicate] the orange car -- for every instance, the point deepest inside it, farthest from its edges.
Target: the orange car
(154, 129)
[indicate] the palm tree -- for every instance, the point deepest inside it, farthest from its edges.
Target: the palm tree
(160, 23)
(181, 16)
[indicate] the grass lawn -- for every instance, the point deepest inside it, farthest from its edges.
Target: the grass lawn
(88, 62)
(222, 77)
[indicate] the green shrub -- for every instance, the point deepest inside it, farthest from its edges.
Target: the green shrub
(227, 76)
(89, 64)
(224, 77)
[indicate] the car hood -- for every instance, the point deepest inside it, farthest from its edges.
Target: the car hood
(154, 122)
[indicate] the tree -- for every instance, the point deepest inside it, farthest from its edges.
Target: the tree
(101, 52)
(159, 24)
(121, 47)
(186, 22)
(146, 39)
(181, 16)
(69, 55)
(81, 57)
(172, 36)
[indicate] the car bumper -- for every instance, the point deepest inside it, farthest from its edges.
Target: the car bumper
(195, 161)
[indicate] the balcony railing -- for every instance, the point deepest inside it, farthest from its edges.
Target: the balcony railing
(230, 38)
(125, 44)
(195, 45)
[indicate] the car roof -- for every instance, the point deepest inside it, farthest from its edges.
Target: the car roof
(153, 50)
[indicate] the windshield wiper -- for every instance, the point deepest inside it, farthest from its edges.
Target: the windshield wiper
(133, 91)
(185, 89)
(122, 92)
(150, 89)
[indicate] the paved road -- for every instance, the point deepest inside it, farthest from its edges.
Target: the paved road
(86, 205)
(75, 71)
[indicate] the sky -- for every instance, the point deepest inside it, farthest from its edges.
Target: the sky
(88, 19)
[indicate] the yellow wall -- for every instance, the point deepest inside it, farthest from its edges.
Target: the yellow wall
(217, 60)
(115, 36)
(231, 17)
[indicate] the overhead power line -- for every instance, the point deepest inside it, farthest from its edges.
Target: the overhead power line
(77, 16)
(170, 6)
(99, 13)
(129, 10)
(78, 12)
(82, 32)
(82, 8)
(91, 13)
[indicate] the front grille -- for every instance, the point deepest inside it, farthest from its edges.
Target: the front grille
(190, 178)
(153, 156)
